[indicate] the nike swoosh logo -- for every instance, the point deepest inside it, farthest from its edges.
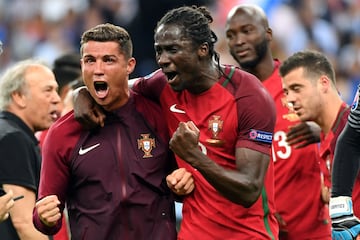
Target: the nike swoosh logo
(176, 110)
(83, 151)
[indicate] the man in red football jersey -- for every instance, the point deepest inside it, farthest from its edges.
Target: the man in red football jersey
(249, 37)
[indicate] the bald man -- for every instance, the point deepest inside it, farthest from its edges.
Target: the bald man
(249, 37)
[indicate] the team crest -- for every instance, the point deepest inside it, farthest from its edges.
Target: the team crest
(215, 126)
(146, 144)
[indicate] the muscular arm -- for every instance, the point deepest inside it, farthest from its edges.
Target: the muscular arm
(242, 185)
(346, 162)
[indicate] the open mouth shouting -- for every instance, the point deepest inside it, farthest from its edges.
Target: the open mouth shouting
(101, 89)
(55, 115)
(171, 76)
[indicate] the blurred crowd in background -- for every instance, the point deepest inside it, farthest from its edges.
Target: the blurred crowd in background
(47, 29)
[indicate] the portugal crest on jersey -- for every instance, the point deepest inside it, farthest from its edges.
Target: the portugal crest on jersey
(215, 126)
(146, 144)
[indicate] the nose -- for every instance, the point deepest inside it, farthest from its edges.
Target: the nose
(55, 97)
(163, 59)
(290, 99)
(98, 68)
(239, 39)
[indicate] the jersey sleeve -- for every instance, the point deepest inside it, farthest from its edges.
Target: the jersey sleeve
(151, 85)
(346, 162)
(257, 116)
(57, 150)
(347, 153)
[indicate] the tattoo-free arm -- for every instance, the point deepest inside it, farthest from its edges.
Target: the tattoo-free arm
(86, 111)
(22, 211)
(242, 185)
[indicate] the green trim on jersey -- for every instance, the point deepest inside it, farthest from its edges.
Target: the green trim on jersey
(228, 78)
(266, 212)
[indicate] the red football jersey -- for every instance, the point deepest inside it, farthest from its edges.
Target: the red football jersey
(327, 149)
(228, 111)
(297, 175)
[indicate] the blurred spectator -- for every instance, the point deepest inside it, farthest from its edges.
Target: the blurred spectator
(66, 69)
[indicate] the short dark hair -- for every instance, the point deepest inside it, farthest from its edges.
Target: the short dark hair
(313, 63)
(66, 68)
(196, 24)
(108, 32)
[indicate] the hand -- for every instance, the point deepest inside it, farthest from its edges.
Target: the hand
(180, 181)
(6, 203)
(48, 210)
(86, 111)
(345, 226)
(302, 134)
(185, 139)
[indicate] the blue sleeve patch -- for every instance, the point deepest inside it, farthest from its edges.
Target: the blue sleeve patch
(355, 101)
(260, 136)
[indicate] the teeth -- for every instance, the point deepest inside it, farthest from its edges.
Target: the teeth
(54, 115)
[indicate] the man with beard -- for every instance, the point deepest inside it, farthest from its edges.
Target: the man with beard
(249, 36)
(217, 133)
(309, 84)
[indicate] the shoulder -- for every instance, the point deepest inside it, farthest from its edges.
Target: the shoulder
(151, 85)
(151, 112)
(65, 126)
(62, 137)
(11, 134)
(240, 78)
(246, 84)
(153, 79)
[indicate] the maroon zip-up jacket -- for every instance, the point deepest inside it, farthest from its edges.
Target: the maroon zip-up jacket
(112, 179)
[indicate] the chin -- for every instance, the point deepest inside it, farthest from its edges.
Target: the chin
(303, 118)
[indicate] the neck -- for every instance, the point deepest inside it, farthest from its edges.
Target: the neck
(208, 75)
(263, 69)
(330, 111)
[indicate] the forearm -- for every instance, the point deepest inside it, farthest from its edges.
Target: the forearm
(27, 231)
(238, 187)
(346, 162)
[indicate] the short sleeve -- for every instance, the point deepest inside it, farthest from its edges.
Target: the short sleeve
(20, 160)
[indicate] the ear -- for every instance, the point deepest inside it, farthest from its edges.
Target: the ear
(203, 50)
(325, 83)
(19, 99)
(130, 65)
(269, 35)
